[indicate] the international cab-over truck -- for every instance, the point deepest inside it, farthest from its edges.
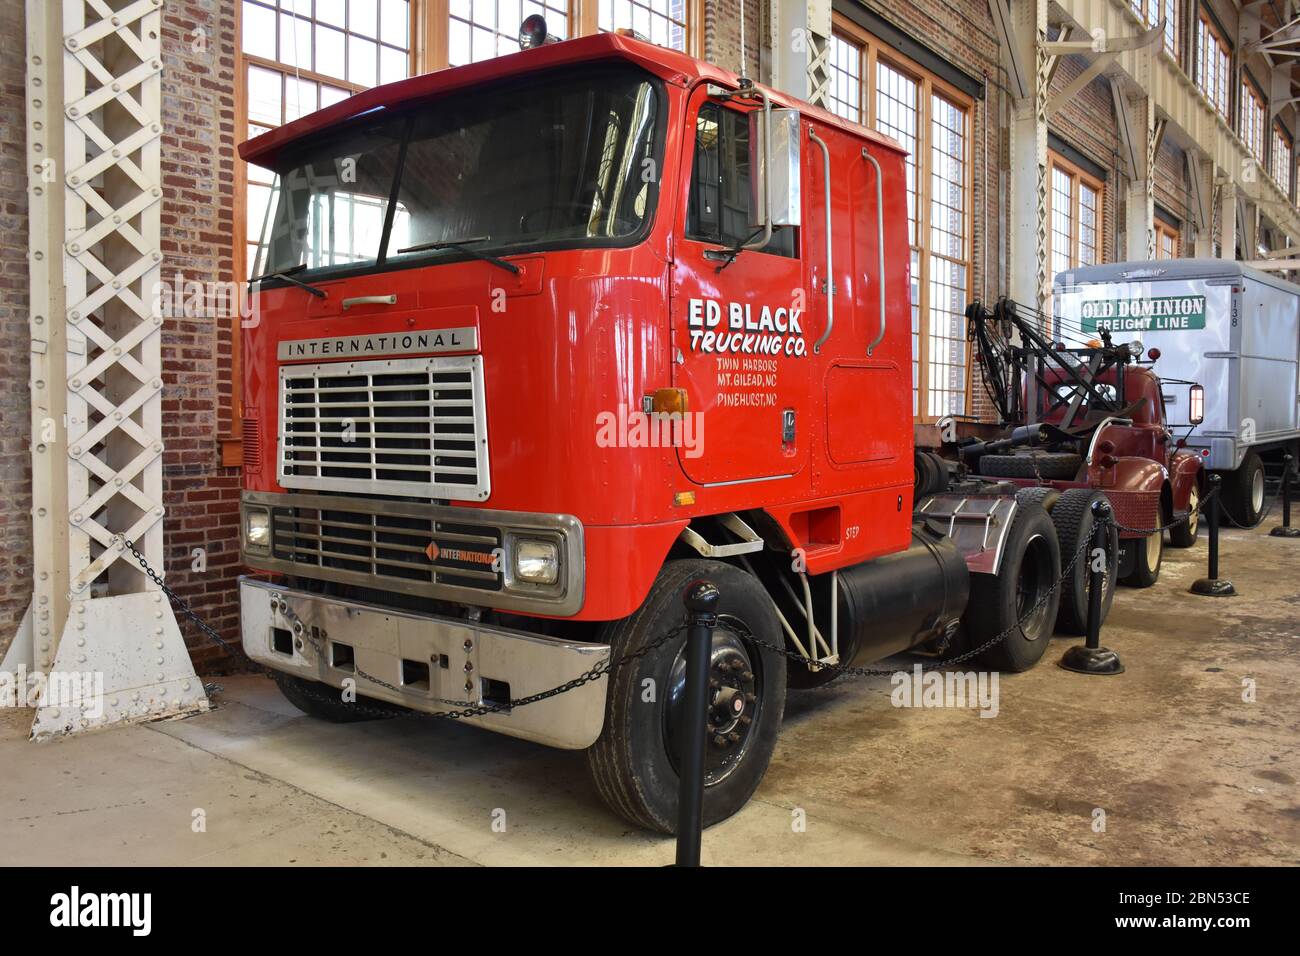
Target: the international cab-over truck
(541, 340)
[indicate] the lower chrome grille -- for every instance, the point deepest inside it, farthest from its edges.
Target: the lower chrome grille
(420, 550)
(443, 552)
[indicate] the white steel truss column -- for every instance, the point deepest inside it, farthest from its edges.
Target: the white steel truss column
(801, 48)
(95, 124)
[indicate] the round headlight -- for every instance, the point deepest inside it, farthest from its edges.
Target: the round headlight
(537, 562)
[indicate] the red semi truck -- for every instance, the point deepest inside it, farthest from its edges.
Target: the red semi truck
(542, 339)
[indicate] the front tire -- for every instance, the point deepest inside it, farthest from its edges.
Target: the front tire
(1243, 492)
(634, 763)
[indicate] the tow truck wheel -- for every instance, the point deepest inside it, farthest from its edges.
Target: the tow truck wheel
(1147, 555)
(1021, 597)
(1184, 535)
(1074, 523)
(634, 762)
(326, 703)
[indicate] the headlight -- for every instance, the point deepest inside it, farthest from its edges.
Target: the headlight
(537, 562)
(257, 529)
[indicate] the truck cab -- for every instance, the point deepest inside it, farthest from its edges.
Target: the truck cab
(537, 342)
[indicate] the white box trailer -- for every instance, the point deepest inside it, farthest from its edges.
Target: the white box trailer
(1233, 329)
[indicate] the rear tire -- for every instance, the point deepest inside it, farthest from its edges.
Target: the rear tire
(1031, 563)
(634, 762)
(1184, 535)
(1148, 553)
(1075, 524)
(1243, 491)
(326, 703)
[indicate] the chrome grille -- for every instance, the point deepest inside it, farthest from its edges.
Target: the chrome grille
(417, 550)
(410, 427)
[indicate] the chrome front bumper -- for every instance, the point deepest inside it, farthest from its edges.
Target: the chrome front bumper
(437, 664)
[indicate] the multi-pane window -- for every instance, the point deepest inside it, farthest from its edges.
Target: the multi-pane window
(873, 85)
(1152, 11)
(1252, 119)
(482, 29)
(665, 22)
(298, 57)
(1167, 240)
(1213, 64)
(1074, 216)
(1283, 158)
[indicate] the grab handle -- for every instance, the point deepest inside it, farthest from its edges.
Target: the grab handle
(830, 261)
(880, 243)
(369, 300)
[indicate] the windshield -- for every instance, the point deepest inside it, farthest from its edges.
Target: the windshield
(565, 160)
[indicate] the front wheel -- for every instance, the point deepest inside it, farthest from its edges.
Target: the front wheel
(1243, 492)
(635, 762)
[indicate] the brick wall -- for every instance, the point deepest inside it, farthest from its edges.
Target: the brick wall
(15, 406)
(722, 33)
(197, 225)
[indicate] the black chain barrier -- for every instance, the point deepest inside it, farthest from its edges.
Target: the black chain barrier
(611, 664)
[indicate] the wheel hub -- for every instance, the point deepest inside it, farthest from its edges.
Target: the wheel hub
(733, 701)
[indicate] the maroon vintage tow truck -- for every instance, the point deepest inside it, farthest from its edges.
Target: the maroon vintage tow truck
(1078, 422)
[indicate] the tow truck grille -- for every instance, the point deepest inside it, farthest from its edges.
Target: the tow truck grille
(409, 427)
(417, 551)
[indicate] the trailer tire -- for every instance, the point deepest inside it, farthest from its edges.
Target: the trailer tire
(1060, 466)
(1243, 491)
(326, 703)
(632, 763)
(1075, 525)
(1031, 564)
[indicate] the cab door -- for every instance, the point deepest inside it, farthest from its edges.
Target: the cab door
(739, 326)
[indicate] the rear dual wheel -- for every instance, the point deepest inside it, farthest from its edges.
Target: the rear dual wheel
(636, 761)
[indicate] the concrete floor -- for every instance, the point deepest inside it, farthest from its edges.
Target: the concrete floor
(1186, 772)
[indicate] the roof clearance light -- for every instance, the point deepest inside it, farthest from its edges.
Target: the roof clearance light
(533, 33)
(632, 34)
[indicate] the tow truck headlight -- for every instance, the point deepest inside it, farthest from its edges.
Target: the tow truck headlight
(257, 529)
(537, 561)
(1196, 404)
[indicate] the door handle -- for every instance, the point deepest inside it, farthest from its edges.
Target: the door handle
(369, 300)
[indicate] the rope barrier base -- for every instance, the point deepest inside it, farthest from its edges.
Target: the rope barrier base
(1091, 660)
(1213, 587)
(1283, 532)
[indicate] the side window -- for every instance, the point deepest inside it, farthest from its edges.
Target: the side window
(720, 187)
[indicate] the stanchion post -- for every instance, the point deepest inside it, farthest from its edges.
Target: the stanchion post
(1213, 585)
(1288, 473)
(1090, 657)
(701, 600)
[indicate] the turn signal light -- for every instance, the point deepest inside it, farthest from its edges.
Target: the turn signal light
(668, 401)
(683, 498)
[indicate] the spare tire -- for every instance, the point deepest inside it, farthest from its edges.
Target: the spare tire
(1039, 464)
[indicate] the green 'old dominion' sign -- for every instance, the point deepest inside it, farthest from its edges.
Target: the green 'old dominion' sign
(1170, 313)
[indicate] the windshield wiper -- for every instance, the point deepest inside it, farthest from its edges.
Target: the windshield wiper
(287, 276)
(463, 245)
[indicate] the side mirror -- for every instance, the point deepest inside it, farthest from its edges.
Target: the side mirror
(774, 159)
(1196, 404)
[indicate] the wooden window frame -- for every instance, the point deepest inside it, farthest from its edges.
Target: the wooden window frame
(1166, 231)
(874, 50)
(428, 37)
(1280, 132)
(1207, 27)
(1254, 136)
(1078, 176)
